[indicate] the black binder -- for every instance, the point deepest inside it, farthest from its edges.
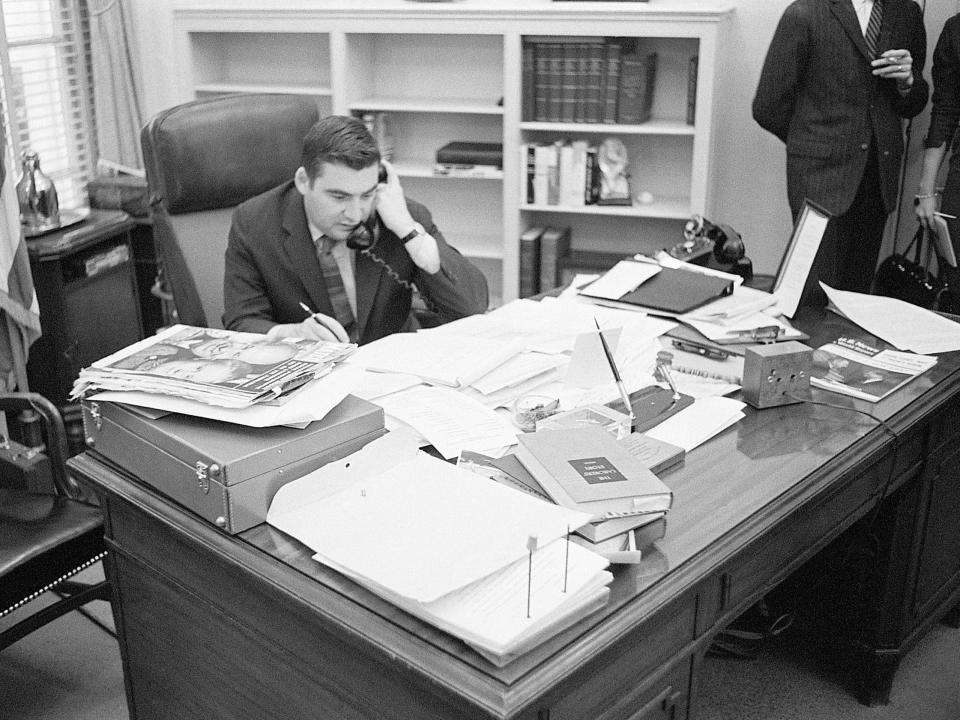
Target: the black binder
(675, 291)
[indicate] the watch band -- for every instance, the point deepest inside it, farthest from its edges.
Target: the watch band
(417, 230)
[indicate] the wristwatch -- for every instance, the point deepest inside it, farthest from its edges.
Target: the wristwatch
(417, 231)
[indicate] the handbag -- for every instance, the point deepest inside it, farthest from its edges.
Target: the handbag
(907, 279)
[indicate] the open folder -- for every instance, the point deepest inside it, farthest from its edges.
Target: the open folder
(446, 545)
(670, 290)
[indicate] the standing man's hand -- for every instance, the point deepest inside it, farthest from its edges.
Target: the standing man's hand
(895, 65)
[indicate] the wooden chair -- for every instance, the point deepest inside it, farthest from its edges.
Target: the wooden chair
(203, 158)
(46, 539)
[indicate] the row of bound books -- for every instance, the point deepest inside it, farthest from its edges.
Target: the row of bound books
(563, 172)
(542, 249)
(588, 80)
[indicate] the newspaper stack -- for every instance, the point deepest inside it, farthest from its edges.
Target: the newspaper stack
(215, 367)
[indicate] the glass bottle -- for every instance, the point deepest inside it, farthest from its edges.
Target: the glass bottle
(37, 195)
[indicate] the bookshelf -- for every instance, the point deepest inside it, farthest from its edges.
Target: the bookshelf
(454, 71)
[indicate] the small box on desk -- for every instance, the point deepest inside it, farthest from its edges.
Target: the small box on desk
(226, 473)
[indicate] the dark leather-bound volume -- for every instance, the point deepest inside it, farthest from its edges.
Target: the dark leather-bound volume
(462, 152)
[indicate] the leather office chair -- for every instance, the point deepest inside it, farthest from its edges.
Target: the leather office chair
(202, 159)
(45, 539)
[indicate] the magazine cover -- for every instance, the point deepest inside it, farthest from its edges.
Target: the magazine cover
(220, 367)
(854, 368)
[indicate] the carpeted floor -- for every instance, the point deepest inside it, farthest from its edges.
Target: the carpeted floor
(70, 670)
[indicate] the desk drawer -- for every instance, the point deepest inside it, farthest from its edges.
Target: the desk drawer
(664, 699)
(613, 693)
(800, 536)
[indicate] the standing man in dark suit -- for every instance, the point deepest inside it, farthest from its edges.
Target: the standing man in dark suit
(839, 77)
(288, 249)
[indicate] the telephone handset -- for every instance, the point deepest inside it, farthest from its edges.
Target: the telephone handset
(364, 235)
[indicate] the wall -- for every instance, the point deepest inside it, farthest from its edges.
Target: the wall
(751, 186)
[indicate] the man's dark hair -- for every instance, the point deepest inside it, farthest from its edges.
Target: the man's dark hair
(341, 140)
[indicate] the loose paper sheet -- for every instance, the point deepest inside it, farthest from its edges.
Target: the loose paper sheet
(449, 420)
(421, 529)
(699, 422)
(905, 326)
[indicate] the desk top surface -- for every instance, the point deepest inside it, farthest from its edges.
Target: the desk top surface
(96, 226)
(727, 493)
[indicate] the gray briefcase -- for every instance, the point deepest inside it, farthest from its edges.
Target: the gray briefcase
(224, 472)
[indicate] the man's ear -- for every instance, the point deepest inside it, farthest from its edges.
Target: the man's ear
(301, 180)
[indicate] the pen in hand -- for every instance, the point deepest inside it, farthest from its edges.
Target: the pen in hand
(339, 334)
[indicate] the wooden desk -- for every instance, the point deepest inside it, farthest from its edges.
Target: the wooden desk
(250, 626)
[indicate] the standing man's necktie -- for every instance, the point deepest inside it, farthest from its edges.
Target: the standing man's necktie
(872, 34)
(335, 289)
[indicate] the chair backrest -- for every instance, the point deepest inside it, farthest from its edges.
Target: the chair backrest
(202, 159)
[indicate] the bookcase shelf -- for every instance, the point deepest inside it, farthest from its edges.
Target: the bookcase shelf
(228, 88)
(651, 127)
(442, 72)
(463, 106)
(669, 208)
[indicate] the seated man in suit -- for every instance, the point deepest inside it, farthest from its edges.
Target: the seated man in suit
(334, 253)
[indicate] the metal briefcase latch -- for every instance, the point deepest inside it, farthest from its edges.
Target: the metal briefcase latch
(203, 481)
(95, 414)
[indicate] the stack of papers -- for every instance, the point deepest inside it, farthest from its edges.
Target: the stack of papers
(215, 367)
(417, 531)
(905, 326)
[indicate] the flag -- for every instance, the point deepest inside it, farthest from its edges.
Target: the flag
(18, 301)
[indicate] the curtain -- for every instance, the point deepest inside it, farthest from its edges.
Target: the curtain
(115, 82)
(19, 311)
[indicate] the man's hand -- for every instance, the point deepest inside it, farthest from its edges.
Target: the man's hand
(895, 65)
(315, 327)
(391, 204)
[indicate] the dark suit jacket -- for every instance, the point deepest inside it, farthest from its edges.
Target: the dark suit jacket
(271, 266)
(817, 94)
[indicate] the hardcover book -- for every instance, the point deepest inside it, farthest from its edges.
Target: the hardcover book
(646, 529)
(530, 261)
(471, 153)
(587, 469)
(657, 455)
(554, 245)
(637, 77)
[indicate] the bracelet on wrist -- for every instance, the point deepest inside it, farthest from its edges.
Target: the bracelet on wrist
(924, 196)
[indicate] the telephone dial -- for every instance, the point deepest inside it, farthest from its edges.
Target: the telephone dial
(713, 244)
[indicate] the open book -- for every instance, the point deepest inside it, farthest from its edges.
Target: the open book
(217, 367)
(417, 531)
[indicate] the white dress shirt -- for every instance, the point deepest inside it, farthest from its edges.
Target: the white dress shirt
(863, 9)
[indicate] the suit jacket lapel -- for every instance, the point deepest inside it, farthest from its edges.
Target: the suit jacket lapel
(847, 17)
(301, 253)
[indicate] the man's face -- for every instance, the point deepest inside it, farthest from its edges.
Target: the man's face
(339, 198)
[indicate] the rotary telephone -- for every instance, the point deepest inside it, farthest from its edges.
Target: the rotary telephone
(364, 236)
(713, 244)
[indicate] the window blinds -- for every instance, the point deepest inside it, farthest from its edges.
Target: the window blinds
(46, 90)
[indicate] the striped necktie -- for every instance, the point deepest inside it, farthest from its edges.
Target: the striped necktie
(335, 288)
(872, 33)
